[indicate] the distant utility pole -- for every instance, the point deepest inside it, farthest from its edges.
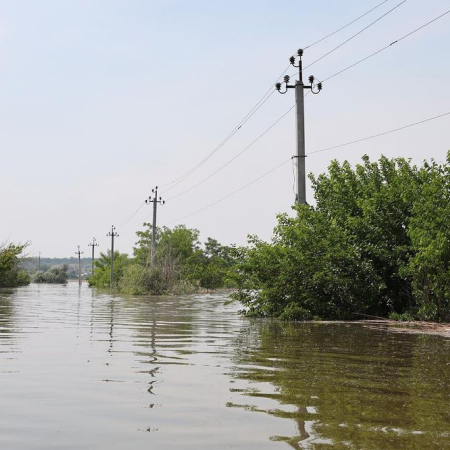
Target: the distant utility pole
(39, 262)
(112, 234)
(155, 200)
(79, 264)
(93, 245)
(300, 115)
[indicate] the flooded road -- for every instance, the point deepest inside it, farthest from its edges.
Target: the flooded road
(80, 370)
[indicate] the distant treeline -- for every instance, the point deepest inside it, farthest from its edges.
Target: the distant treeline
(55, 261)
(31, 264)
(51, 266)
(377, 242)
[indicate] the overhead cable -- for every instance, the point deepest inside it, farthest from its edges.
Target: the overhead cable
(387, 46)
(356, 34)
(234, 192)
(292, 107)
(329, 78)
(236, 156)
(235, 130)
(132, 215)
(379, 134)
(345, 26)
(310, 153)
(264, 99)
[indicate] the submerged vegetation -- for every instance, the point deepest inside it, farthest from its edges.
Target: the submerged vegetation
(377, 242)
(181, 265)
(54, 275)
(11, 273)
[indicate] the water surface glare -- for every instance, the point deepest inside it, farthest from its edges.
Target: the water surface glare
(84, 370)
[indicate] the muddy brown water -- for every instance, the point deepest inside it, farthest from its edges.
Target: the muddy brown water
(80, 370)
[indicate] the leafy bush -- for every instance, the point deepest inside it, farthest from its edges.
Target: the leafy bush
(54, 275)
(377, 242)
(429, 265)
(405, 317)
(181, 266)
(134, 280)
(311, 265)
(102, 269)
(11, 274)
(295, 312)
(158, 279)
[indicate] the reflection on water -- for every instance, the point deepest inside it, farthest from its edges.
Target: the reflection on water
(84, 370)
(349, 386)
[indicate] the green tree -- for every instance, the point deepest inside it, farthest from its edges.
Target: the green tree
(102, 272)
(310, 270)
(142, 249)
(219, 262)
(54, 275)
(180, 242)
(429, 266)
(181, 265)
(377, 242)
(373, 204)
(11, 274)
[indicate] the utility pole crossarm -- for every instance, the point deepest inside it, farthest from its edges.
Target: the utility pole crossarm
(155, 200)
(300, 119)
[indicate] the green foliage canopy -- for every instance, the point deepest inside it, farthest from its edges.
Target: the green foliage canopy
(377, 242)
(11, 274)
(54, 275)
(102, 269)
(181, 265)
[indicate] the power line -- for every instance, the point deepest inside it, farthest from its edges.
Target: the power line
(132, 215)
(327, 79)
(266, 96)
(310, 153)
(356, 34)
(387, 46)
(290, 109)
(249, 115)
(236, 156)
(380, 134)
(345, 26)
(234, 192)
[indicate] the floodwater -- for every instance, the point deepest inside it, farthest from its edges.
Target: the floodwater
(80, 370)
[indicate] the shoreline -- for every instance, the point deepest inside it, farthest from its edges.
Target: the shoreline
(416, 327)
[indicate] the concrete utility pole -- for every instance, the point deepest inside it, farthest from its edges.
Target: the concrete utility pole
(155, 200)
(79, 264)
(39, 262)
(300, 121)
(113, 234)
(93, 245)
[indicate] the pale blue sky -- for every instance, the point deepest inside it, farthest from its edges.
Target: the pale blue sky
(100, 100)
